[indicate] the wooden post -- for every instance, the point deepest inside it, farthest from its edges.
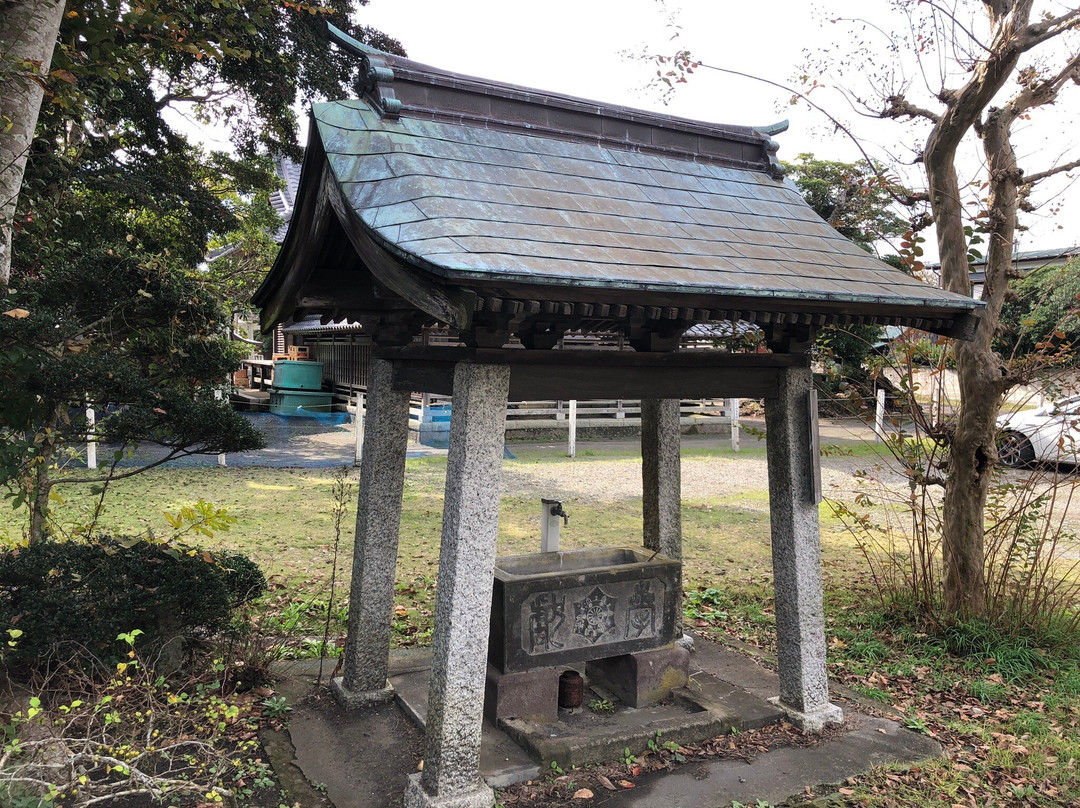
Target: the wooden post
(879, 415)
(734, 424)
(571, 448)
(221, 457)
(935, 392)
(91, 441)
(358, 429)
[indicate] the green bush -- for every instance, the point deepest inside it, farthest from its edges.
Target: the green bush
(243, 578)
(65, 596)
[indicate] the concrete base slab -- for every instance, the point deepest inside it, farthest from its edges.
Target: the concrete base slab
(356, 759)
(814, 721)
(779, 774)
(357, 699)
(705, 708)
(364, 758)
(742, 709)
(587, 737)
(502, 762)
(416, 796)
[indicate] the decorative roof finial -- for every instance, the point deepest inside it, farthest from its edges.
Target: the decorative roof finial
(773, 165)
(375, 75)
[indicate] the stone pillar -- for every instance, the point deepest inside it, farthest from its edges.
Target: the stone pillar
(451, 774)
(378, 517)
(796, 552)
(661, 486)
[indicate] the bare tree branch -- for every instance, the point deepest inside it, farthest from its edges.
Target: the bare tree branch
(1037, 93)
(1040, 32)
(832, 119)
(953, 19)
(1031, 179)
(188, 96)
(897, 106)
(172, 455)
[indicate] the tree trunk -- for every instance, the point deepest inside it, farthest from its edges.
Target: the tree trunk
(968, 478)
(39, 500)
(28, 31)
(973, 455)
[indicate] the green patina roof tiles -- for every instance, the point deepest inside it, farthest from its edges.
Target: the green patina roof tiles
(475, 200)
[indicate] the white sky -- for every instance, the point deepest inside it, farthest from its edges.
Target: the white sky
(582, 47)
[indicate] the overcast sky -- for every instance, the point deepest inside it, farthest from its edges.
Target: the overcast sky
(587, 48)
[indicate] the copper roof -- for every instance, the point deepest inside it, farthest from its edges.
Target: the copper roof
(466, 185)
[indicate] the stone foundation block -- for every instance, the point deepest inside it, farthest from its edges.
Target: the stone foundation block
(643, 678)
(814, 721)
(355, 699)
(416, 796)
(531, 695)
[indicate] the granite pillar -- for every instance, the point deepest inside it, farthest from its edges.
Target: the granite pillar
(796, 553)
(661, 486)
(451, 773)
(378, 516)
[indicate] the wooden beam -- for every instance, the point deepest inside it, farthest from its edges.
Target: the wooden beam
(530, 382)
(598, 374)
(536, 382)
(596, 358)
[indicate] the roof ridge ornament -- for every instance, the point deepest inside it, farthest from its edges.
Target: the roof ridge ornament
(375, 74)
(773, 166)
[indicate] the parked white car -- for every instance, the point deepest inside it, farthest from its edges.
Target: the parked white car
(1050, 433)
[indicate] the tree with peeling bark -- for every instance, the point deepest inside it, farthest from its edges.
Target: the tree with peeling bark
(959, 76)
(28, 30)
(1008, 60)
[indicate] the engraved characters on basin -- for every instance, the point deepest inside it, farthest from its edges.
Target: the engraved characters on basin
(599, 615)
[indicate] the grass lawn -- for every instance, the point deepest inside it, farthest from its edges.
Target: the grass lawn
(1006, 710)
(285, 525)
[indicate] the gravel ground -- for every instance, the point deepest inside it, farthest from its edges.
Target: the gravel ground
(593, 478)
(599, 480)
(596, 479)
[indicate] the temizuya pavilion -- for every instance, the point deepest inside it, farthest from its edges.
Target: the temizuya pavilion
(514, 216)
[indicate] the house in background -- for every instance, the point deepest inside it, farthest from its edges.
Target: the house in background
(1023, 261)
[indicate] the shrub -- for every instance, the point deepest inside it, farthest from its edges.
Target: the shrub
(243, 578)
(85, 594)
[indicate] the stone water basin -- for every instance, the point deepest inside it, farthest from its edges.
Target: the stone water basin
(571, 606)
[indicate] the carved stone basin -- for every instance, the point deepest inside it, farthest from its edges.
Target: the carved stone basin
(581, 605)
